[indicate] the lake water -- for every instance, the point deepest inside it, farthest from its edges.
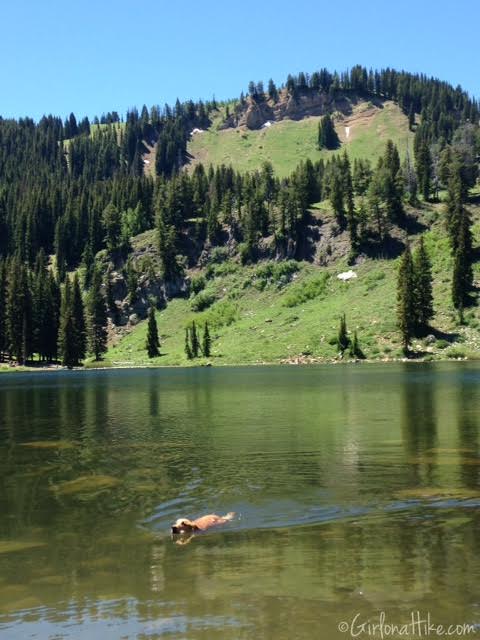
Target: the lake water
(356, 488)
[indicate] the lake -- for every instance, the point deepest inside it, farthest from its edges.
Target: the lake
(356, 488)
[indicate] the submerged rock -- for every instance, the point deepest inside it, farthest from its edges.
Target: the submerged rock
(11, 546)
(437, 493)
(48, 444)
(86, 485)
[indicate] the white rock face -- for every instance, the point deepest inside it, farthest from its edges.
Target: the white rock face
(347, 275)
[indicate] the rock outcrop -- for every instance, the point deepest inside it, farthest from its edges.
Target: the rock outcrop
(253, 114)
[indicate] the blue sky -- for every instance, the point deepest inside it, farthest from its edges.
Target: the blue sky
(91, 57)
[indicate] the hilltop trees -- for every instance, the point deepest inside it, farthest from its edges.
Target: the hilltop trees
(69, 191)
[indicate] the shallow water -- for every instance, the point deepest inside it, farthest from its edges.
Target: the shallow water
(357, 490)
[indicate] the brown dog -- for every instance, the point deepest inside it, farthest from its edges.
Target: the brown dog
(186, 526)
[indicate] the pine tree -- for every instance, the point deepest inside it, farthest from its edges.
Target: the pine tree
(96, 317)
(343, 340)
(18, 311)
(462, 281)
(348, 196)
(206, 342)
(406, 311)
(327, 136)
(423, 286)
(78, 318)
(66, 335)
(195, 345)
(424, 170)
(112, 223)
(188, 349)
(3, 318)
(355, 350)
(153, 342)
(411, 117)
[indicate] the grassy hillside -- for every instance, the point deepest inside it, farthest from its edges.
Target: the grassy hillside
(288, 142)
(272, 312)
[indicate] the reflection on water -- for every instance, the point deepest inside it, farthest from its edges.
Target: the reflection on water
(357, 489)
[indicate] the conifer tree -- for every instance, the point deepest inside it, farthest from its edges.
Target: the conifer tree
(18, 311)
(3, 318)
(406, 311)
(343, 340)
(423, 286)
(96, 317)
(195, 345)
(424, 169)
(188, 349)
(411, 117)
(153, 342)
(66, 335)
(355, 350)
(462, 281)
(327, 136)
(78, 317)
(206, 342)
(348, 195)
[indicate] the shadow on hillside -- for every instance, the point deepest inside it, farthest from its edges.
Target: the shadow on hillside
(442, 335)
(412, 225)
(387, 249)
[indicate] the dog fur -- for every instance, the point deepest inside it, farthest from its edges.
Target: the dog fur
(186, 526)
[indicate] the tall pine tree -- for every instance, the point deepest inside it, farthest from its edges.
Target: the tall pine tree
(423, 286)
(96, 317)
(406, 311)
(153, 342)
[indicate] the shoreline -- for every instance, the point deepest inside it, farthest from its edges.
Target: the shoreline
(294, 362)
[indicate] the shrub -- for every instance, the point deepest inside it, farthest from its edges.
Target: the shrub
(303, 292)
(442, 344)
(222, 314)
(218, 254)
(202, 301)
(197, 284)
(277, 274)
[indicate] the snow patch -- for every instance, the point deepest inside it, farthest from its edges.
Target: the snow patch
(193, 131)
(347, 132)
(267, 124)
(347, 275)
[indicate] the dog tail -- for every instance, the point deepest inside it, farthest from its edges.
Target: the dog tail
(230, 515)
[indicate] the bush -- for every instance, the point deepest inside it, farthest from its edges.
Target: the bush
(217, 255)
(456, 353)
(222, 314)
(302, 292)
(277, 274)
(202, 301)
(442, 344)
(197, 284)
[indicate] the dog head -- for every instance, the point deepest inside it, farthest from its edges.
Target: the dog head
(183, 526)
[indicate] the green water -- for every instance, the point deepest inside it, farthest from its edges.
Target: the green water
(357, 490)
